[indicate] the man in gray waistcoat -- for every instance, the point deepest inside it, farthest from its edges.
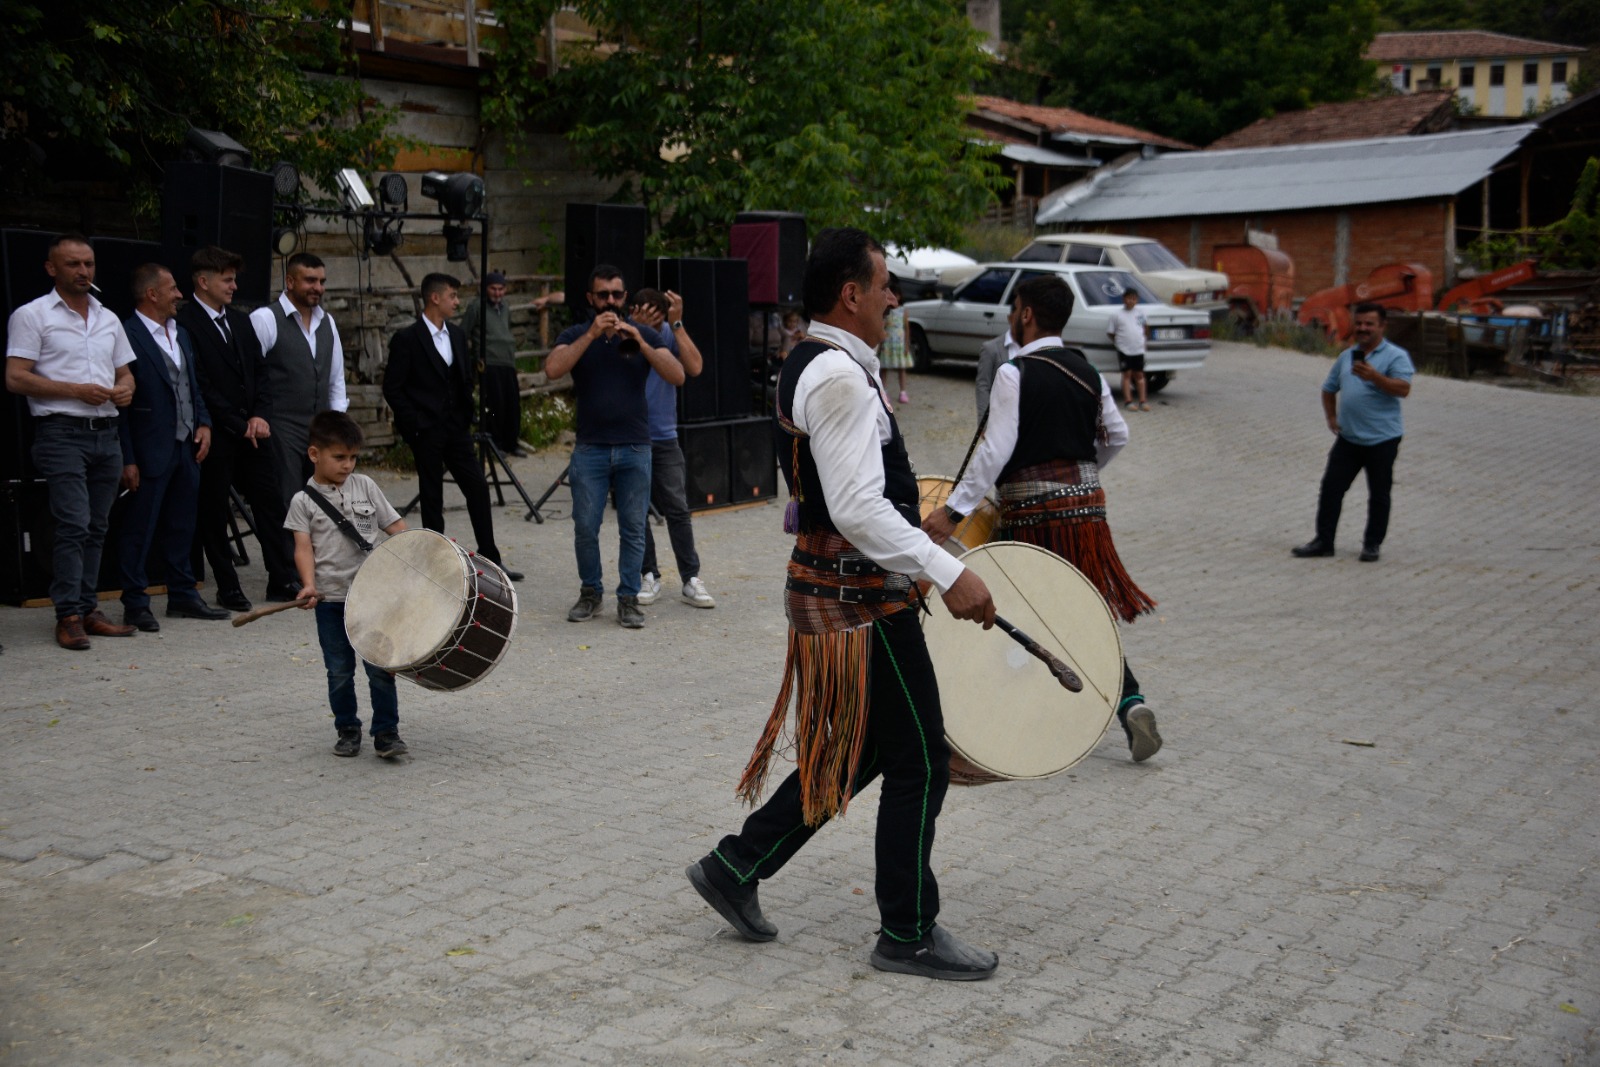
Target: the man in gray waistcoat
(305, 367)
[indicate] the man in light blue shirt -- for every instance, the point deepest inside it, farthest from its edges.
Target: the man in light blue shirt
(1374, 377)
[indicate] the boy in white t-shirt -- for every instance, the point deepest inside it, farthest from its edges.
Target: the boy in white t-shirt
(327, 560)
(1128, 330)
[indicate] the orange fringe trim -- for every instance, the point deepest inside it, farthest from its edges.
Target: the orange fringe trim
(827, 675)
(1087, 545)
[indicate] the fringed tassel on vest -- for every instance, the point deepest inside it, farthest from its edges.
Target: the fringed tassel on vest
(826, 675)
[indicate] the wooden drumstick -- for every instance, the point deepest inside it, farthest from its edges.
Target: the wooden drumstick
(271, 609)
(1064, 674)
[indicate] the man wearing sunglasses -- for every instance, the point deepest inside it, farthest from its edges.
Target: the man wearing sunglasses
(609, 358)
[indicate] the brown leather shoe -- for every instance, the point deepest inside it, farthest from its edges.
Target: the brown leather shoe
(97, 624)
(69, 633)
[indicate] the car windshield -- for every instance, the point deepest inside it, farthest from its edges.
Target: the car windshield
(986, 288)
(1039, 252)
(1151, 255)
(1102, 287)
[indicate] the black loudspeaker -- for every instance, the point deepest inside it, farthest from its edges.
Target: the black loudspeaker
(603, 233)
(28, 540)
(22, 278)
(230, 207)
(114, 261)
(716, 307)
(774, 243)
(729, 462)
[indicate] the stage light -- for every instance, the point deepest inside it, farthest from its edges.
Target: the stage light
(285, 180)
(460, 196)
(210, 146)
(456, 236)
(285, 240)
(392, 192)
(353, 191)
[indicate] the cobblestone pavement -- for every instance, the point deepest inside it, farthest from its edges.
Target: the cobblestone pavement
(1371, 837)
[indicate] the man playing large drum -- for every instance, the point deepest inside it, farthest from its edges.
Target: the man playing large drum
(1052, 425)
(866, 701)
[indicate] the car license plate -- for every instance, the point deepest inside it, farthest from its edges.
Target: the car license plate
(1168, 333)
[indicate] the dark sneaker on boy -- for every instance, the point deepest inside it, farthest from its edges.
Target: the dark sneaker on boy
(388, 745)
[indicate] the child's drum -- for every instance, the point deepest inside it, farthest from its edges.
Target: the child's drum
(424, 608)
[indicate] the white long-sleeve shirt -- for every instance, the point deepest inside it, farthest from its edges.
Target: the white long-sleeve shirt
(841, 407)
(1000, 436)
(265, 321)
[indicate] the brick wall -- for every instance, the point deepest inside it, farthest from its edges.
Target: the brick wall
(1377, 234)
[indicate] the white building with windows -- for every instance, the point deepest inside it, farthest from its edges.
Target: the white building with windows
(1493, 74)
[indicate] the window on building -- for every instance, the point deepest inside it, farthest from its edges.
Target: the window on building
(1530, 74)
(1405, 78)
(1558, 72)
(1468, 76)
(1435, 76)
(1497, 74)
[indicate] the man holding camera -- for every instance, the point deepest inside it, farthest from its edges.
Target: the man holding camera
(609, 358)
(1374, 377)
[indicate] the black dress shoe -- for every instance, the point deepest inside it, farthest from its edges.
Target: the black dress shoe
(1312, 548)
(743, 915)
(143, 618)
(194, 609)
(234, 600)
(1369, 554)
(939, 955)
(276, 595)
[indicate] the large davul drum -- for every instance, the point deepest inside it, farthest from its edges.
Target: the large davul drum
(974, 530)
(1004, 712)
(424, 608)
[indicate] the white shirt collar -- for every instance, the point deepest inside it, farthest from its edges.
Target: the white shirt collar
(1050, 341)
(1011, 346)
(437, 331)
(294, 313)
(858, 349)
(161, 330)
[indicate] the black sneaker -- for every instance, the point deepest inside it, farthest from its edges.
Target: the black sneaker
(628, 614)
(388, 745)
(743, 911)
(1369, 554)
(349, 743)
(939, 955)
(1144, 740)
(1312, 549)
(588, 603)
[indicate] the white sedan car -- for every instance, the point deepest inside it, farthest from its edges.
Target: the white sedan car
(957, 326)
(1163, 273)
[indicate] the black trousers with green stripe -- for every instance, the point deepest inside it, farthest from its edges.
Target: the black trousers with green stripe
(905, 745)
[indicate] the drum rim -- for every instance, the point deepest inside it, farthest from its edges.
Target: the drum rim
(463, 561)
(411, 672)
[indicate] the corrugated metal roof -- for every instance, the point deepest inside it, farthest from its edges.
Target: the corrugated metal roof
(1285, 178)
(1043, 157)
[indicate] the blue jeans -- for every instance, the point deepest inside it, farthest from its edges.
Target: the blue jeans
(340, 660)
(595, 471)
(82, 468)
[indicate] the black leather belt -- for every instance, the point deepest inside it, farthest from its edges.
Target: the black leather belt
(897, 589)
(97, 422)
(851, 563)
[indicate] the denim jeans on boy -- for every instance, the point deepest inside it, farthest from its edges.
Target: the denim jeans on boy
(595, 471)
(340, 660)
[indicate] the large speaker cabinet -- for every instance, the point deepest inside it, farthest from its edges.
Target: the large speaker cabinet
(603, 233)
(716, 308)
(774, 244)
(230, 207)
(731, 461)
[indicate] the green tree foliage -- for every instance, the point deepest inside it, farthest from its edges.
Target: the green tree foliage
(1196, 72)
(107, 89)
(1575, 22)
(848, 111)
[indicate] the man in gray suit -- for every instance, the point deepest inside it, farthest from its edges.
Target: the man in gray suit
(995, 352)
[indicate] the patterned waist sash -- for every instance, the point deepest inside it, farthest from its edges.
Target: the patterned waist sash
(826, 672)
(1060, 505)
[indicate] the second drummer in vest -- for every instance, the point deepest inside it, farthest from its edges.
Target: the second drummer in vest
(305, 366)
(866, 701)
(1052, 425)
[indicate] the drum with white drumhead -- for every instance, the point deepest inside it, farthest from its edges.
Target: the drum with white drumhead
(1004, 712)
(423, 607)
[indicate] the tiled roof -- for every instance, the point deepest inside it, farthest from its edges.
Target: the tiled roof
(1460, 44)
(1384, 116)
(1066, 120)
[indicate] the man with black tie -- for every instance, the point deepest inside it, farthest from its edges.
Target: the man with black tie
(428, 385)
(165, 435)
(233, 381)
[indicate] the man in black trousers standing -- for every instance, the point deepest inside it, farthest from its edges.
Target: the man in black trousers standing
(428, 386)
(233, 380)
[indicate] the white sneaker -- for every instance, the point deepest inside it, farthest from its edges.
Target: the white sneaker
(649, 588)
(694, 592)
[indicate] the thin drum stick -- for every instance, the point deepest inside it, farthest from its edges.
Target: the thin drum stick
(273, 609)
(1064, 674)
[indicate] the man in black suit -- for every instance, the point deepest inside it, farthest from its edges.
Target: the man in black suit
(165, 435)
(233, 381)
(428, 386)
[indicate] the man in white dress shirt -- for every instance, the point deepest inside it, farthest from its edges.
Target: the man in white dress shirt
(1052, 425)
(68, 355)
(305, 366)
(867, 702)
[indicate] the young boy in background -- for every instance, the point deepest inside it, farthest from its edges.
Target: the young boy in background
(327, 559)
